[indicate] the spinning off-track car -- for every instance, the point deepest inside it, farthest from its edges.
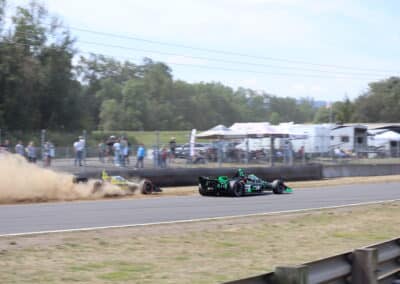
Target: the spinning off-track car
(240, 184)
(144, 185)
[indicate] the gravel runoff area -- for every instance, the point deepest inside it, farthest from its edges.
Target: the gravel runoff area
(196, 252)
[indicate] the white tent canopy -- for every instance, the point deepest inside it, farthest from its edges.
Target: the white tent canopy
(250, 130)
(292, 130)
(258, 129)
(220, 132)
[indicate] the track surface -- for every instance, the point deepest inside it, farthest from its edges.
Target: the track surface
(24, 218)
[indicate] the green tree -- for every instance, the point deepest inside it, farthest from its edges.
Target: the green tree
(275, 118)
(110, 115)
(323, 115)
(381, 103)
(38, 86)
(343, 111)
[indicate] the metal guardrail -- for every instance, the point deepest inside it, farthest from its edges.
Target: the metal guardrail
(379, 263)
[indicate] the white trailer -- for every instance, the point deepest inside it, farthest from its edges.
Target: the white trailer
(350, 138)
(315, 140)
(384, 141)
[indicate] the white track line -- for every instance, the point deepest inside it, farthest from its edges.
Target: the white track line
(197, 220)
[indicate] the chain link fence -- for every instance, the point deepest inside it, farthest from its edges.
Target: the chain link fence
(120, 149)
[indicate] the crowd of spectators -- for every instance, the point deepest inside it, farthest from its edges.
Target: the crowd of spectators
(115, 150)
(30, 152)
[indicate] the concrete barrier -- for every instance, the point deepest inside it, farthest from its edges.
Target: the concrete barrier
(189, 176)
(334, 171)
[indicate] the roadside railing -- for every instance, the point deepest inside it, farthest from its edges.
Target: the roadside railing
(379, 263)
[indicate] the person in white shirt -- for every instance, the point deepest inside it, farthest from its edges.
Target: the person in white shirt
(31, 152)
(79, 147)
(117, 153)
(20, 149)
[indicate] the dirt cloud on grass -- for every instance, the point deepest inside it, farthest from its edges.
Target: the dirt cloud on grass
(21, 181)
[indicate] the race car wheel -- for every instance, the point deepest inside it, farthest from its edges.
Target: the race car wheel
(146, 187)
(202, 191)
(278, 187)
(237, 189)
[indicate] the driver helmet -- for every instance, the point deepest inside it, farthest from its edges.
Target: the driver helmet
(240, 173)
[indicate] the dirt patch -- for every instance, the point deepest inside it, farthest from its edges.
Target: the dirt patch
(21, 181)
(200, 252)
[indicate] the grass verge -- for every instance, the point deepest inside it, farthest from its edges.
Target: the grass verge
(200, 252)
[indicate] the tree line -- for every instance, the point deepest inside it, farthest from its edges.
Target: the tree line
(42, 86)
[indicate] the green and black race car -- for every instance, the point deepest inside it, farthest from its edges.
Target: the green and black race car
(240, 184)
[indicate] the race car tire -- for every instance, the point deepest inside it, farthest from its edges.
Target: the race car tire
(146, 187)
(237, 189)
(278, 187)
(202, 191)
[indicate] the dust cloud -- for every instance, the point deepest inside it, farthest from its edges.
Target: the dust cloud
(21, 181)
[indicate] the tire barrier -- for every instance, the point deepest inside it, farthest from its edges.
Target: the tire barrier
(186, 177)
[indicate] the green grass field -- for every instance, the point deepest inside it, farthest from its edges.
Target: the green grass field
(63, 138)
(199, 252)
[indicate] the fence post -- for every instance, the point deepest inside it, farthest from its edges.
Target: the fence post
(84, 133)
(364, 267)
(291, 275)
(247, 151)
(272, 151)
(42, 141)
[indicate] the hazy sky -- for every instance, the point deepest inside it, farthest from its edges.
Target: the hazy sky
(322, 49)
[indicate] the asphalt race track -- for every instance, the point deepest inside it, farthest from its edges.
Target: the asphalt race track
(28, 218)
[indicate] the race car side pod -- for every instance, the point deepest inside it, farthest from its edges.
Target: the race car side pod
(288, 190)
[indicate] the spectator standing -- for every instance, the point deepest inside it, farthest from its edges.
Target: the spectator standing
(164, 156)
(46, 154)
(117, 153)
(31, 152)
(20, 149)
(109, 150)
(52, 150)
(102, 151)
(288, 152)
(5, 147)
(79, 146)
(141, 151)
(172, 148)
(124, 151)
